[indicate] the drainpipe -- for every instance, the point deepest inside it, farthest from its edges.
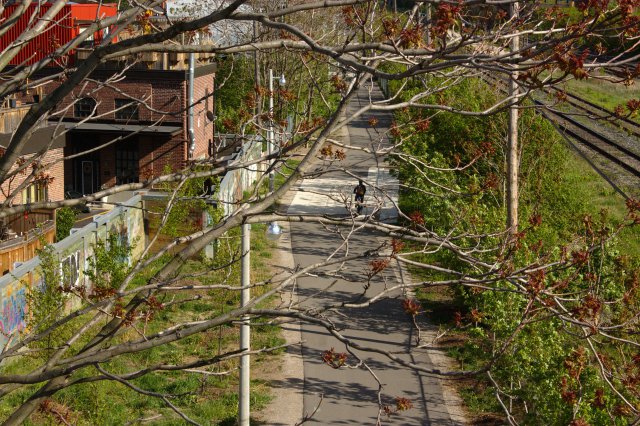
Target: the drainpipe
(190, 130)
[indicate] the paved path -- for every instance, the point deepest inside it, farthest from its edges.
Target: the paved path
(348, 396)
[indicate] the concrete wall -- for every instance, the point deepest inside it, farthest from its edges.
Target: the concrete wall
(126, 221)
(235, 182)
(75, 250)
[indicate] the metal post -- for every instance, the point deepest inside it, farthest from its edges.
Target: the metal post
(273, 229)
(245, 331)
(190, 126)
(271, 137)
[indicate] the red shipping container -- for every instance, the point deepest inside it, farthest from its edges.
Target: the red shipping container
(68, 24)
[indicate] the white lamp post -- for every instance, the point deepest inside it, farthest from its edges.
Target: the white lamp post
(273, 231)
(245, 330)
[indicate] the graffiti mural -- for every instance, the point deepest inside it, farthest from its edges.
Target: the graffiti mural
(13, 301)
(70, 270)
(72, 254)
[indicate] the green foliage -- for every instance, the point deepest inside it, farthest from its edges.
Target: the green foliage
(65, 218)
(237, 94)
(457, 183)
(46, 302)
(185, 215)
(109, 265)
(236, 72)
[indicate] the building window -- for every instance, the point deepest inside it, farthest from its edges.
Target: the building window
(37, 191)
(126, 109)
(84, 107)
(126, 164)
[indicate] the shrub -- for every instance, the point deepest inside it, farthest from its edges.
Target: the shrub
(65, 218)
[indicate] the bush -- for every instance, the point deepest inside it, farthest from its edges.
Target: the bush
(65, 218)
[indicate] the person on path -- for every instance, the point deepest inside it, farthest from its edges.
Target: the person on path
(360, 190)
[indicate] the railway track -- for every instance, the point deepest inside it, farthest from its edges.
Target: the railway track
(599, 112)
(604, 146)
(613, 151)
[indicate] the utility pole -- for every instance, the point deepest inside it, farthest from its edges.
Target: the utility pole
(244, 411)
(256, 74)
(513, 166)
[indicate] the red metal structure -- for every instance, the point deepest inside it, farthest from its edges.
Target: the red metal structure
(68, 23)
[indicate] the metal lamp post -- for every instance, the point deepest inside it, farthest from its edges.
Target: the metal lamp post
(273, 231)
(245, 330)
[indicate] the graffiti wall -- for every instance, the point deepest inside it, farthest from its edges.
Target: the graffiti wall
(127, 222)
(73, 254)
(13, 305)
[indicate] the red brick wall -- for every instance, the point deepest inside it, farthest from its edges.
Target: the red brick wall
(54, 167)
(162, 96)
(167, 156)
(148, 166)
(202, 125)
(159, 155)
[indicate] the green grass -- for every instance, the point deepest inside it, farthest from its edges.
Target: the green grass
(285, 172)
(207, 399)
(602, 197)
(606, 94)
(563, 189)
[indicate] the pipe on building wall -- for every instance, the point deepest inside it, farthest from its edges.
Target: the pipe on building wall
(190, 129)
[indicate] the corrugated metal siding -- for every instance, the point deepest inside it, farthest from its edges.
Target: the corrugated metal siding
(65, 29)
(89, 12)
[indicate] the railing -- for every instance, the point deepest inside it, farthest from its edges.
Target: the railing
(384, 86)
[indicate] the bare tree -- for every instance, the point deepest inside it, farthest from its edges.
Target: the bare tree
(333, 61)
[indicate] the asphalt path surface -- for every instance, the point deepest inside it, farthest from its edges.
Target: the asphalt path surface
(354, 394)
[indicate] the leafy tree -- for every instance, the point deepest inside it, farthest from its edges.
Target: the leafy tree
(572, 303)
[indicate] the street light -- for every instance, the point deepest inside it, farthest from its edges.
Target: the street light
(245, 330)
(273, 231)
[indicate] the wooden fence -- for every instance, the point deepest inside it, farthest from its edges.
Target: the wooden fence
(22, 235)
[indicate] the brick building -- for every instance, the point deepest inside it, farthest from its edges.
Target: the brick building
(47, 184)
(22, 234)
(112, 139)
(137, 127)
